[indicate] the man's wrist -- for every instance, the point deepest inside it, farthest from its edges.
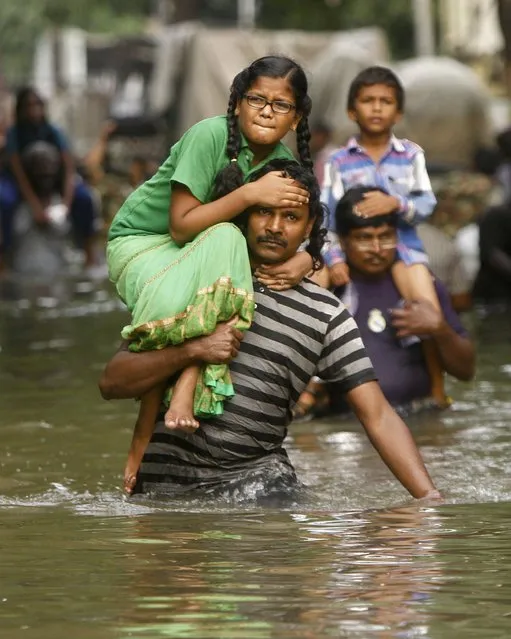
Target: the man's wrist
(442, 330)
(306, 260)
(398, 203)
(191, 352)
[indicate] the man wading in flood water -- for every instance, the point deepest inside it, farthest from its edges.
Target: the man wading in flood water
(295, 333)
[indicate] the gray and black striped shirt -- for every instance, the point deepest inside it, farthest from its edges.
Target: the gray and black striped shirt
(295, 334)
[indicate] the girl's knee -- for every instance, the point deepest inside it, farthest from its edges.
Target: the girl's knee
(227, 233)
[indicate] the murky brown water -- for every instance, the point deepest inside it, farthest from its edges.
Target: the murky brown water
(358, 559)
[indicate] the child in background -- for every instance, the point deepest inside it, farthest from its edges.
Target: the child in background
(376, 157)
(178, 266)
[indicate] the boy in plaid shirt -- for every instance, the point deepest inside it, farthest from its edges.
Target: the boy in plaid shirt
(377, 158)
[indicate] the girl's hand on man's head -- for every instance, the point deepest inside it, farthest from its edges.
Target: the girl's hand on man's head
(274, 190)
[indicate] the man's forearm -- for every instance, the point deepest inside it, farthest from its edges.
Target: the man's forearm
(456, 352)
(391, 438)
(129, 375)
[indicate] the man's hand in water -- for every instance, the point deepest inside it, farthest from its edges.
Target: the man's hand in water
(220, 347)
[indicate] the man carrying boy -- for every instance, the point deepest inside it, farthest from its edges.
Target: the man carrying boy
(377, 158)
(383, 321)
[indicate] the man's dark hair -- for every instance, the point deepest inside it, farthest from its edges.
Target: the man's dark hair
(317, 211)
(346, 219)
(40, 153)
(42, 164)
(376, 75)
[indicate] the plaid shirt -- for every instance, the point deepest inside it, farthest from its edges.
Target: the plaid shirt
(401, 172)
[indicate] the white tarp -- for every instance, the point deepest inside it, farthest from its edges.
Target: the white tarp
(447, 106)
(204, 61)
(447, 109)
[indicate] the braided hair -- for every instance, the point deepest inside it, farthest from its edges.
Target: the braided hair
(231, 176)
(317, 210)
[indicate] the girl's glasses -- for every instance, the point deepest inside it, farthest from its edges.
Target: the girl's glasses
(277, 106)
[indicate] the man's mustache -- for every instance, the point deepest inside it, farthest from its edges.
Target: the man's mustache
(262, 239)
(375, 258)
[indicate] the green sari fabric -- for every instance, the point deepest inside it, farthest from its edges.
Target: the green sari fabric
(178, 293)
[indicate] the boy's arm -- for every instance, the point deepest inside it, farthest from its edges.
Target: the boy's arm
(332, 191)
(421, 201)
(332, 251)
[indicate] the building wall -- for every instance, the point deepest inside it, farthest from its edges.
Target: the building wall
(470, 27)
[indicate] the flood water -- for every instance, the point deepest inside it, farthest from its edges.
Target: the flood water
(358, 558)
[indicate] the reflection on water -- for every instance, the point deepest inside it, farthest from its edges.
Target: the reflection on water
(355, 558)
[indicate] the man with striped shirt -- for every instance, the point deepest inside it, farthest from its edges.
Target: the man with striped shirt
(295, 333)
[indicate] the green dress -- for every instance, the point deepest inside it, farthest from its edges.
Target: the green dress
(176, 293)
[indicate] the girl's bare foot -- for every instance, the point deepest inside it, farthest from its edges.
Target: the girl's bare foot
(130, 480)
(180, 412)
(180, 415)
(136, 452)
(130, 474)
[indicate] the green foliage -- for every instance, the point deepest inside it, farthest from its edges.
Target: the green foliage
(19, 24)
(394, 16)
(22, 22)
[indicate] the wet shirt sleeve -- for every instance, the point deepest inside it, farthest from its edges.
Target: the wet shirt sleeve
(451, 317)
(344, 359)
(197, 156)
